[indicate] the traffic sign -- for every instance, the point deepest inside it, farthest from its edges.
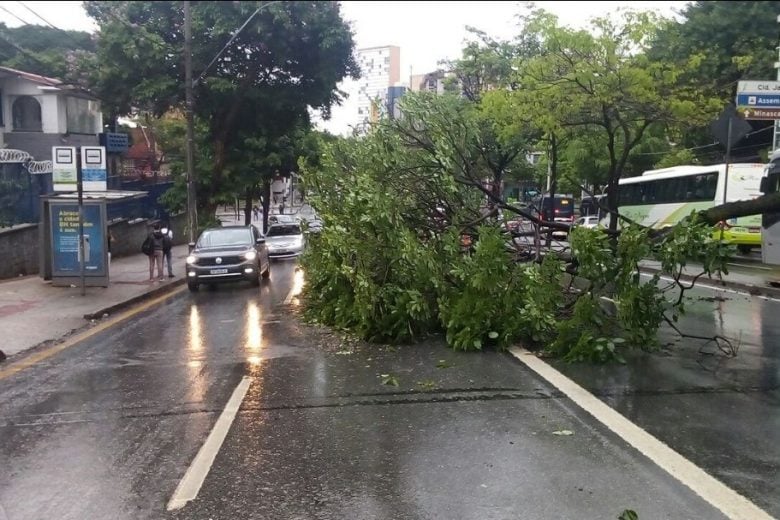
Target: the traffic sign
(63, 167)
(759, 100)
(756, 113)
(758, 87)
(93, 168)
(739, 127)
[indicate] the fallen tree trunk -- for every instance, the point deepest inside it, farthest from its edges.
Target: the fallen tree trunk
(742, 208)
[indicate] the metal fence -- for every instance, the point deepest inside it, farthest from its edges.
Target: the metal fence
(20, 194)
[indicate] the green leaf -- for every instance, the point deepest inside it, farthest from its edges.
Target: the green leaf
(390, 380)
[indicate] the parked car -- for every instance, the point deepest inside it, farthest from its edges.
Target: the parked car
(284, 240)
(589, 221)
(314, 225)
(282, 219)
(228, 254)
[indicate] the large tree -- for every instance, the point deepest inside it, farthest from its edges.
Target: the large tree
(289, 58)
(731, 41)
(603, 82)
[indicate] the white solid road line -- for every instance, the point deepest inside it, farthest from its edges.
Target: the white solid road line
(190, 484)
(290, 296)
(717, 288)
(728, 501)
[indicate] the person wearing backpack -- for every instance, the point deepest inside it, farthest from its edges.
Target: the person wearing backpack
(168, 248)
(153, 247)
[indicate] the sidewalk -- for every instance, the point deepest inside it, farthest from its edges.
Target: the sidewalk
(32, 311)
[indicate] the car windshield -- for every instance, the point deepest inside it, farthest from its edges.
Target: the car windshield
(278, 231)
(225, 237)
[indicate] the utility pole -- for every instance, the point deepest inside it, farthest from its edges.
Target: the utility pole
(192, 212)
(80, 194)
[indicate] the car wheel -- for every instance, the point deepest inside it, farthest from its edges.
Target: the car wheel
(192, 286)
(745, 250)
(267, 272)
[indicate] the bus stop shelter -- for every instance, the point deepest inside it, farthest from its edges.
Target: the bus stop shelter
(59, 238)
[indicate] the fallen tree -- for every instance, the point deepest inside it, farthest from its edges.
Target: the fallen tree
(391, 264)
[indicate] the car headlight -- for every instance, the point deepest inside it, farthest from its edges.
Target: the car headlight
(192, 259)
(250, 255)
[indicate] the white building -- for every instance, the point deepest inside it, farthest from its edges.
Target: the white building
(37, 113)
(380, 68)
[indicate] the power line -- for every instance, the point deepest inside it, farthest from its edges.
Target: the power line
(66, 33)
(24, 51)
(15, 16)
(160, 45)
(44, 20)
(230, 41)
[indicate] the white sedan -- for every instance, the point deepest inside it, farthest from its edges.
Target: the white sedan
(589, 222)
(284, 240)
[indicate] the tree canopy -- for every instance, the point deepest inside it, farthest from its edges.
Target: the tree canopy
(288, 59)
(46, 51)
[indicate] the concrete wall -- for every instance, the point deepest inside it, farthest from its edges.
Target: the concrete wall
(130, 235)
(20, 244)
(50, 116)
(39, 144)
(20, 250)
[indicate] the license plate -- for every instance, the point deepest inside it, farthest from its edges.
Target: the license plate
(218, 271)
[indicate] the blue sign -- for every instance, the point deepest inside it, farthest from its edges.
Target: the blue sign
(758, 100)
(93, 174)
(115, 142)
(65, 240)
(93, 168)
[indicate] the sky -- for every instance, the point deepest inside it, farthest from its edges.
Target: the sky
(426, 32)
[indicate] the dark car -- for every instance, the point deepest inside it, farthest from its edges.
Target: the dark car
(592, 205)
(228, 254)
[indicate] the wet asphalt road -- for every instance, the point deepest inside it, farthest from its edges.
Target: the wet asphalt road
(723, 413)
(107, 428)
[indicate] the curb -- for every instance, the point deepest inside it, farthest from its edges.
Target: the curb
(159, 291)
(751, 289)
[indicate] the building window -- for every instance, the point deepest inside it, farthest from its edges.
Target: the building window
(81, 115)
(26, 114)
(2, 121)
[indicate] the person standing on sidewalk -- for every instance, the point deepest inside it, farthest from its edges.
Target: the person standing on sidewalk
(153, 247)
(168, 248)
(110, 241)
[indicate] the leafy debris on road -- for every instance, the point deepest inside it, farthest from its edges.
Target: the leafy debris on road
(389, 379)
(428, 384)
